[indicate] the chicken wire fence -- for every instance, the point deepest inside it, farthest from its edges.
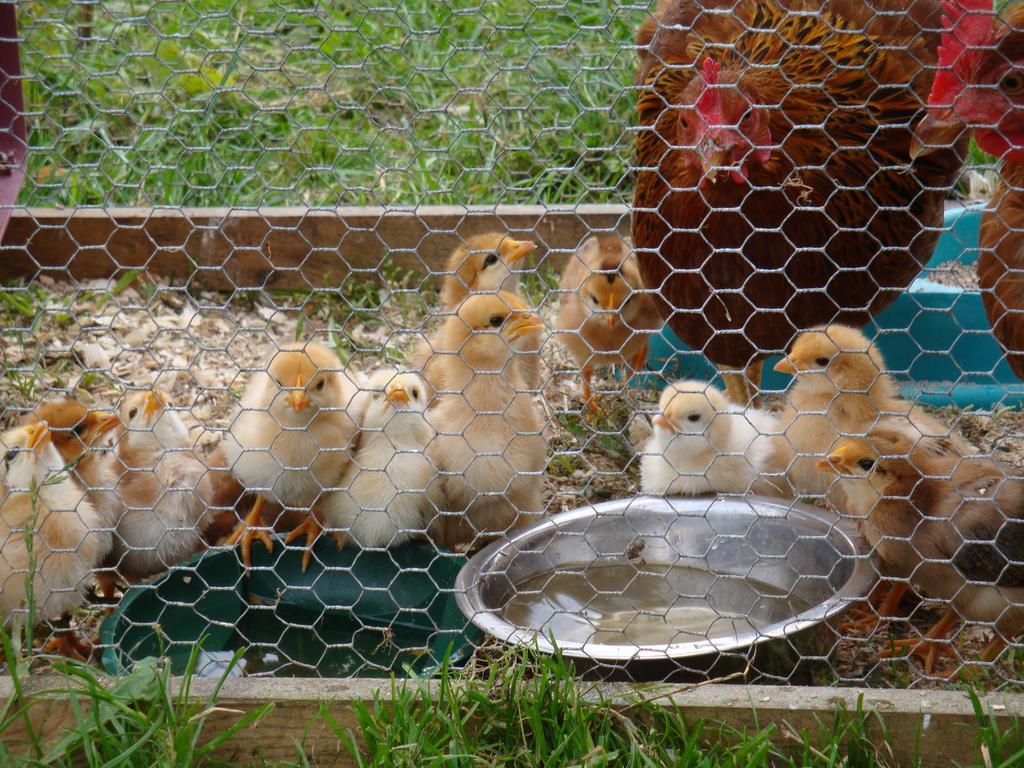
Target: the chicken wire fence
(570, 235)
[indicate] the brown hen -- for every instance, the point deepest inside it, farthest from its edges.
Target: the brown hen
(776, 191)
(982, 84)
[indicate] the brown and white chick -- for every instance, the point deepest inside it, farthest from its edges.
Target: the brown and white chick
(67, 536)
(605, 318)
(953, 527)
(384, 498)
(289, 441)
(841, 389)
(482, 264)
(703, 443)
(85, 439)
(489, 445)
(167, 491)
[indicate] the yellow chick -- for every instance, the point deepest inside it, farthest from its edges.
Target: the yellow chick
(841, 389)
(604, 318)
(166, 489)
(289, 441)
(385, 494)
(703, 443)
(483, 264)
(489, 446)
(949, 525)
(67, 538)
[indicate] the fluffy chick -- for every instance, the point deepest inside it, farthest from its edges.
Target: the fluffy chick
(483, 264)
(604, 317)
(840, 389)
(384, 498)
(85, 440)
(67, 538)
(489, 445)
(167, 491)
(952, 526)
(289, 441)
(703, 443)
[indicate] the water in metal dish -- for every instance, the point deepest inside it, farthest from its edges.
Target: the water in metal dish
(643, 604)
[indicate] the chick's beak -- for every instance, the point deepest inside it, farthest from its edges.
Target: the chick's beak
(524, 324)
(662, 421)
(297, 398)
(937, 130)
(101, 423)
(38, 435)
(612, 317)
(832, 464)
(785, 365)
(517, 250)
(397, 395)
(155, 402)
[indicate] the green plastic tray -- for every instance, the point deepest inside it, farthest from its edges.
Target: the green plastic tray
(354, 613)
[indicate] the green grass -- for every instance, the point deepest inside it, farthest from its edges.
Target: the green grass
(521, 710)
(235, 102)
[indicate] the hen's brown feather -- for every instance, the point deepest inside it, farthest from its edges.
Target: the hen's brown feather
(838, 222)
(1001, 264)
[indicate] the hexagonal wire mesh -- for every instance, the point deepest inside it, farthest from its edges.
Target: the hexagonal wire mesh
(417, 377)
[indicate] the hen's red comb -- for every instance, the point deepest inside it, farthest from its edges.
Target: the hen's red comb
(968, 25)
(709, 105)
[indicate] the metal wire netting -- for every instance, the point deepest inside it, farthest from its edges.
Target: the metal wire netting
(361, 338)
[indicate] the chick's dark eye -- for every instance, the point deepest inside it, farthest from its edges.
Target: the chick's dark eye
(10, 456)
(133, 413)
(694, 417)
(594, 299)
(320, 385)
(1012, 83)
(79, 429)
(821, 362)
(866, 464)
(415, 392)
(497, 321)
(492, 258)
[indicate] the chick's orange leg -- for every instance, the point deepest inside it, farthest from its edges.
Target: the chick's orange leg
(69, 644)
(639, 362)
(590, 400)
(251, 528)
(753, 383)
(867, 617)
(929, 647)
(991, 651)
(312, 530)
(736, 387)
(106, 582)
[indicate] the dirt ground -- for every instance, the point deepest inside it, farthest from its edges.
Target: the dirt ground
(98, 340)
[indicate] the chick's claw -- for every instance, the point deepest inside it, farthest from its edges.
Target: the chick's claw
(312, 530)
(70, 645)
(251, 528)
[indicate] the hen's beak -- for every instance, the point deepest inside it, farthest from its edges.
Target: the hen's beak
(38, 435)
(517, 250)
(937, 130)
(660, 420)
(785, 365)
(522, 325)
(397, 394)
(155, 402)
(297, 398)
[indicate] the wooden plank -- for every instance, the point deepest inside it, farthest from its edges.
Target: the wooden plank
(937, 726)
(280, 248)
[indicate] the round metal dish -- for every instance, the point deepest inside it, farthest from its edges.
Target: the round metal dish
(769, 569)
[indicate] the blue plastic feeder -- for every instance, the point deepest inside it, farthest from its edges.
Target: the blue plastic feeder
(936, 338)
